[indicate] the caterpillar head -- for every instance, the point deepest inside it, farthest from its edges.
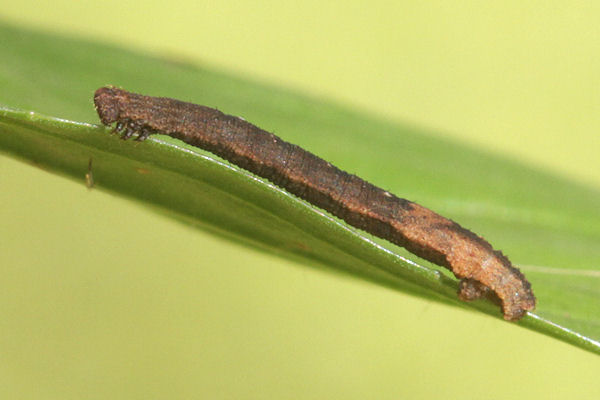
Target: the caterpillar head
(107, 101)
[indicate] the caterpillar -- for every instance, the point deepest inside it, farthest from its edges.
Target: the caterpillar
(483, 271)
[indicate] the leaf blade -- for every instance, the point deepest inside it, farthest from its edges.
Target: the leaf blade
(544, 223)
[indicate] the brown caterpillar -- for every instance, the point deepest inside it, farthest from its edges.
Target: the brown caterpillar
(484, 272)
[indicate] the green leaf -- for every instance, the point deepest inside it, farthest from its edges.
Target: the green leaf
(549, 227)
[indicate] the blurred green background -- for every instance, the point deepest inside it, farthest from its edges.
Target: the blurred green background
(224, 321)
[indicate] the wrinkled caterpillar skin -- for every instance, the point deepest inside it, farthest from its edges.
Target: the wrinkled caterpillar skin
(484, 272)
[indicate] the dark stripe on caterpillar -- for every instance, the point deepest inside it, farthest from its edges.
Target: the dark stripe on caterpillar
(484, 272)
